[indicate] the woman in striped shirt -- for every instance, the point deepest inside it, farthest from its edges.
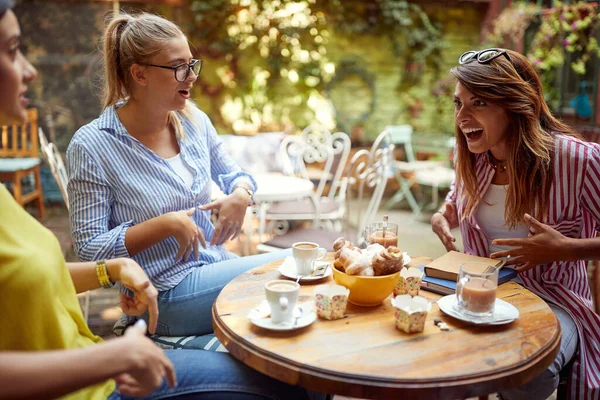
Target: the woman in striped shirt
(514, 159)
(140, 176)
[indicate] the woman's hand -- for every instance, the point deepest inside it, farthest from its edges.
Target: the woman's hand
(545, 246)
(134, 278)
(232, 210)
(442, 222)
(186, 232)
(147, 363)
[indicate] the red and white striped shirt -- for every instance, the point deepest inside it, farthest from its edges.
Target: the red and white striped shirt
(574, 211)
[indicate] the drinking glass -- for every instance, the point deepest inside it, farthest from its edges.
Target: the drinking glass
(476, 289)
(374, 234)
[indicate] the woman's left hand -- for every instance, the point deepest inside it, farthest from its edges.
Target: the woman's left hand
(545, 246)
(134, 278)
(232, 210)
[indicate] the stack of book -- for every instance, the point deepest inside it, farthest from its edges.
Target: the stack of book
(442, 273)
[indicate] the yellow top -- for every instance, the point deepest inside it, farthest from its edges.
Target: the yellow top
(39, 309)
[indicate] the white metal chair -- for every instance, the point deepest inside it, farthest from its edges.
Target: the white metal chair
(52, 156)
(315, 146)
(425, 173)
(367, 174)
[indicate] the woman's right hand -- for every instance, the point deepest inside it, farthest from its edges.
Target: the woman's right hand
(186, 232)
(147, 363)
(442, 222)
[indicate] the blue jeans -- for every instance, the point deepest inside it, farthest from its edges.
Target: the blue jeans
(542, 386)
(186, 309)
(210, 375)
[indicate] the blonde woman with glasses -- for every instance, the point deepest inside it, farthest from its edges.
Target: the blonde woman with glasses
(46, 348)
(515, 162)
(140, 176)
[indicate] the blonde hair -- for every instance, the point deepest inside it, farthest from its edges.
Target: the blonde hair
(130, 39)
(513, 85)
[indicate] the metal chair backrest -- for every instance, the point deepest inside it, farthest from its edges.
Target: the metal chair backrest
(316, 145)
(52, 156)
(20, 141)
(402, 135)
(369, 172)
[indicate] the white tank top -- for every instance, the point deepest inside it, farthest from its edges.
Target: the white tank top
(181, 169)
(491, 219)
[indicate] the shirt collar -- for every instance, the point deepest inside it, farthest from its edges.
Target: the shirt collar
(109, 120)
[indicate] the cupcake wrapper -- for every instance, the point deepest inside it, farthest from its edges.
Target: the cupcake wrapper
(410, 323)
(410, 285)
(331, 307)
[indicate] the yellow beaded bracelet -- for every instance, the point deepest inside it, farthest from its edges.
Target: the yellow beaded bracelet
(102, 274)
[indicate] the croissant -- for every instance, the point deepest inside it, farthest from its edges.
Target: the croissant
(359, 265)
(388, 261)
(339, 245)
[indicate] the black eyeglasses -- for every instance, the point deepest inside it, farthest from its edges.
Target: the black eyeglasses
(182, 71)
(483, 56)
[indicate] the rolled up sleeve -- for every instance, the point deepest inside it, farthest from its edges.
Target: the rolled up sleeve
(90, 207)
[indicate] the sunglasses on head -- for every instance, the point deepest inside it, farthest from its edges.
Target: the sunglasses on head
(483, 56)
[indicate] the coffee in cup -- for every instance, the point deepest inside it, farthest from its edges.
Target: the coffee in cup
(476, 289)
(305, 255)
(282, 296)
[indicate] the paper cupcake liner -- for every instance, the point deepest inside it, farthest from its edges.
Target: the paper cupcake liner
(331, 308)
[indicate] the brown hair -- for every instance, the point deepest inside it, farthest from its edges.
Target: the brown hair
(513, 85)
(130, 39)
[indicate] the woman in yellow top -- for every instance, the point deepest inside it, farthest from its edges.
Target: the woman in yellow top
(46, 349)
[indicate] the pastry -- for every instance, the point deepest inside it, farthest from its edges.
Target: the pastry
(388, 261)
(339, 245)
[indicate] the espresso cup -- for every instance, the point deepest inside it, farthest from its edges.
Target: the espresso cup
(305, 255)
(282, 296)
(476, 289)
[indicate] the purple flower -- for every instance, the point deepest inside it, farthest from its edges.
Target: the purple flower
(536, 61)
(548, 36)
(574, 25)
(566, 42)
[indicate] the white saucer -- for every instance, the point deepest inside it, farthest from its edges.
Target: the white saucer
(288, 269)
(504, 313)
(304, 316)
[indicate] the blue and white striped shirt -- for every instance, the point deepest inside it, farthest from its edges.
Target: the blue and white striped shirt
(116, 182)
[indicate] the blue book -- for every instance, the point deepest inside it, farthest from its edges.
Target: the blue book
(444, 286)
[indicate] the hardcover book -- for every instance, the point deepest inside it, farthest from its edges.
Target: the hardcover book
(448, 266)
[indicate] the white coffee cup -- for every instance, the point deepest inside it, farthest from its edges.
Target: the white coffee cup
(305, 255)
(282, 296)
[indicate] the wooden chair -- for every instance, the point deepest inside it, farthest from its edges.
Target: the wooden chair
(19, 158)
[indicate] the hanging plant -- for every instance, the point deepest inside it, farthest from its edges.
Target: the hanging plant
(511, 24)
(566, 28)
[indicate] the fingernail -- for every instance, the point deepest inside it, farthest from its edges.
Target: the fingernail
(141, 324)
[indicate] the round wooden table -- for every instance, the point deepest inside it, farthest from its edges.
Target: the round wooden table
(364, 355)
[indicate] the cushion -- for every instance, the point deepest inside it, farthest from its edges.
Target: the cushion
(324, 238)
(17, 164)
(304, 207)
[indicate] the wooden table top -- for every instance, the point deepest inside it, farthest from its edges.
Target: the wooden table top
(364, 355)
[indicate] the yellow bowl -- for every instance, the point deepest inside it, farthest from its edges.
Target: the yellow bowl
(367, 291)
